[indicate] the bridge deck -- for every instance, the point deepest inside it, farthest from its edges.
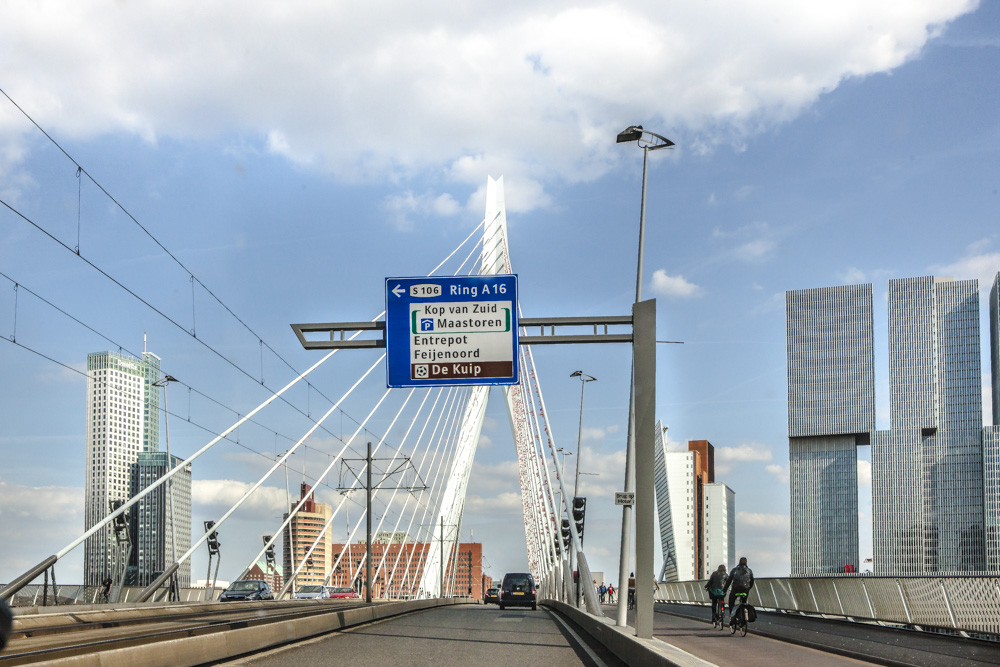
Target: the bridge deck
(769, 642)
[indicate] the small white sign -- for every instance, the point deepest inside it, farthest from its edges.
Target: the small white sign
(624, 498)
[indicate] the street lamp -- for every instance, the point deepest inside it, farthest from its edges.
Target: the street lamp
(162, 383)
(584, 379)
(648, 141)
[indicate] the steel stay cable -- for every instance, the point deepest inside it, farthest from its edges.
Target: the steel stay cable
(333, 462)
(357, 480)
(425, 530)
(436, 464)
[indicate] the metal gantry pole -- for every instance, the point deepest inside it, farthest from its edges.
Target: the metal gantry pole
(644, 364)
(368, 522)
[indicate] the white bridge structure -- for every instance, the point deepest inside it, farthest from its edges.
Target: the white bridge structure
(435, 431)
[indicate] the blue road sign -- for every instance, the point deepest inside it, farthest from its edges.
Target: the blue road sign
(449, 331)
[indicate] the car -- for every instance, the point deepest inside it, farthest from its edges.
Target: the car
(343, 592)
(518, 590)
(492, 596)
(247, 589)
(312, 592)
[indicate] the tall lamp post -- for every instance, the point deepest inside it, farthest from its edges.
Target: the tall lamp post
(648, 141)
(162, 383)
(584, 379)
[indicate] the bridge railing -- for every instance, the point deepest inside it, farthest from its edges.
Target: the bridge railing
(34, 595)
(968, 604)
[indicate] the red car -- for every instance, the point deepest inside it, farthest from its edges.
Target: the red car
(343, 593)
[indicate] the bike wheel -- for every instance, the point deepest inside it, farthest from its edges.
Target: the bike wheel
(732, 626)
(743, 628)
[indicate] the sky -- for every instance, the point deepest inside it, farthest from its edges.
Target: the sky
(290, 157)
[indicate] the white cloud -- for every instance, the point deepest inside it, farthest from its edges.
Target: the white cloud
(764, 522)
(748, 451)
(779, 471)
(532, 89)
(39, 520)
(981, 265)
(223, 493)
(673, 286)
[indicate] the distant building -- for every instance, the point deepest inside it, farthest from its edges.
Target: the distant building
(271, 575)
(122, 422)
(300, 535)
(720, 528)
(687, 496)
(401, 564)
(152, 538)
(831, 411)
(935, 471)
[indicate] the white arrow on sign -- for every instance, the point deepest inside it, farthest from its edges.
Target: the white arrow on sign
(398, 290)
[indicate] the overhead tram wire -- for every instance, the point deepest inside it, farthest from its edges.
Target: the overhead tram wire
(124, 348)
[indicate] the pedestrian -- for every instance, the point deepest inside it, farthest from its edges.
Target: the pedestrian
(611, 594)
(602, 591)
(631, 590)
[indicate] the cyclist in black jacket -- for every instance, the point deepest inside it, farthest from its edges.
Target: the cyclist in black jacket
(741, 579)
(714, 586)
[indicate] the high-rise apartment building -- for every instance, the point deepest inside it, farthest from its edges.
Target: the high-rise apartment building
(935, 472)
(299, 536)
(154, 545)
(120, 408)
(991, 440)
(123, 457)
(927, 470)
(720, 527)
(683, 482)
(995, 347)
(831, 411)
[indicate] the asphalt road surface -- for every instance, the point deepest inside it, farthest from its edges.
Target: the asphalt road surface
(448, 636)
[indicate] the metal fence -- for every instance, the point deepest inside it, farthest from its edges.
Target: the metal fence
(963, 604)
(35, 595)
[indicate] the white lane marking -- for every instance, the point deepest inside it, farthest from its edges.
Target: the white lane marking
(590, 653)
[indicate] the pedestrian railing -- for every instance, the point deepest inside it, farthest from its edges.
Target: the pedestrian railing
(964, 604)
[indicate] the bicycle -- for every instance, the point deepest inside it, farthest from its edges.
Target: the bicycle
(718, 613)
(738, 615)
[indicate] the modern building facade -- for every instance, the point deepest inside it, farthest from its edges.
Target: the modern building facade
(155, 547)
(934, 471)
(120, 405)
(696, 528)
(831, 411)
(720, 527)
(299, 536)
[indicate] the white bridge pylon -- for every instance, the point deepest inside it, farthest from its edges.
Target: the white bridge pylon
(526, 420)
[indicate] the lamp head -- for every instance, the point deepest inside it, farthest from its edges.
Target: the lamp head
(630, 133)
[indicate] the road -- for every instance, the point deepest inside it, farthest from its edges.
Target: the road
(445, 637)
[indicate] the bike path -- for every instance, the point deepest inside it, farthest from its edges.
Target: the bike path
(838, 639)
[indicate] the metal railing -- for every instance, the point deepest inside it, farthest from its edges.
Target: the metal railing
(963, 604)
(35, 595)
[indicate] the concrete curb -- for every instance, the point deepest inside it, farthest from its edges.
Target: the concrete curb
(214, 646)
(624, 644)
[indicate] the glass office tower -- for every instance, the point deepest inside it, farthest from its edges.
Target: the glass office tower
(991, 440)
(668, 571)
(151, 525)
(831, 411)
(927, 472)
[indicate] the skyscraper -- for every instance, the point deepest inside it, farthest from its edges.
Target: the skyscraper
(152, 537)
(927, 471)
(668, 571)
(831, 411)
(119, 408)
(991, 440)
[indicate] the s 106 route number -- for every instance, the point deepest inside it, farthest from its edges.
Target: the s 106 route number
(425, 290)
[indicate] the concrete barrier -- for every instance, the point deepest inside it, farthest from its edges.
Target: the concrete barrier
(221, 645)
(624, 644)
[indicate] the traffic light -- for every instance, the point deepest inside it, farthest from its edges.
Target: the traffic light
(269, 551)
(579, 510)
(566, 534)
(213, 538)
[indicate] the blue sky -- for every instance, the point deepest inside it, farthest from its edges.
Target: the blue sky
(292, 161)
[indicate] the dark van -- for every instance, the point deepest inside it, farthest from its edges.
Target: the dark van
(518, 590)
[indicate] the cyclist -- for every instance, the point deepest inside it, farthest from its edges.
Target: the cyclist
(741, 579)
(715, 592)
